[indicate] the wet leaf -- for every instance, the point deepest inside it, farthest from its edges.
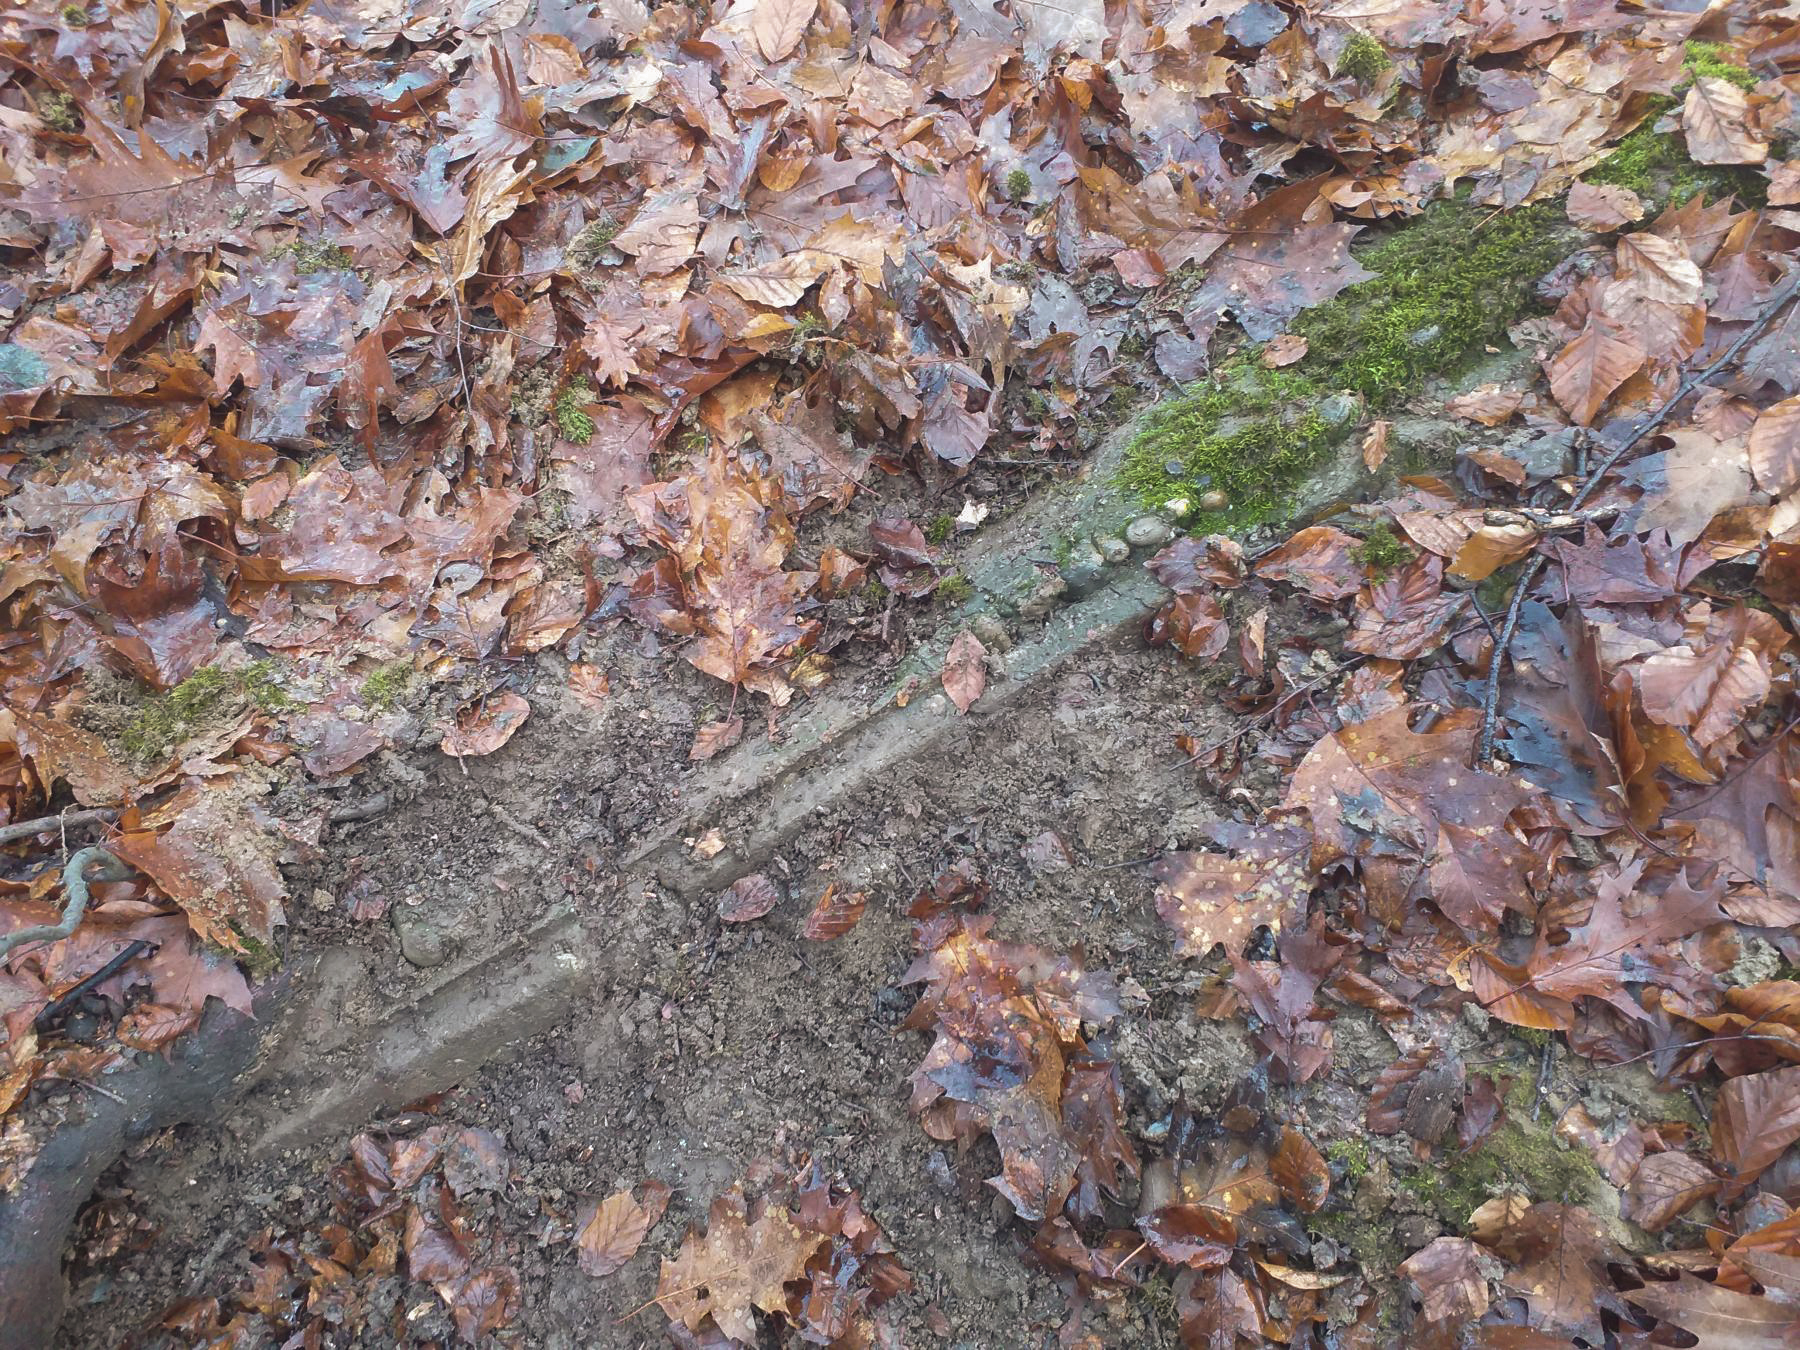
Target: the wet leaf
(485, 725)
(1603, 207)
(1209, 899)
(834, 915)
(734, 1268)
(749, 898)
(1664, 1187)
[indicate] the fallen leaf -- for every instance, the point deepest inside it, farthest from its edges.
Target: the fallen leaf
(748, 898)
(1714, 119)
(778, 26)
(1603, 206)
(965, 670)
(710, 739)
(736, 1267)
(1666, 1186)
(609, 1232)
(1592, 365)
(1283, 351)
(1375, 444)
(834, 915)
(484, 726)
(1212, 898)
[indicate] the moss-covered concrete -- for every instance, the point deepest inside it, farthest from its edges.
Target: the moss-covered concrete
(1446, 285)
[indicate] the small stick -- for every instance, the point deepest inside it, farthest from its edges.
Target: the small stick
(67, 820)
(53, 1011)
(517, 826)
(1543, 1081)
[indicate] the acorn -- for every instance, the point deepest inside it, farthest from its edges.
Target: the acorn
(1214, 500)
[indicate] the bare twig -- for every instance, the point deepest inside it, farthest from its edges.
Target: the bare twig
(1490, 702)
(75, 884)
(54, 1011)
(517, 826)
(68, 820)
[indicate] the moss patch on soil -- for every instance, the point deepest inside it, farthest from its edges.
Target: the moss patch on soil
(570, 410)
(315, 255)
(1517, 1156)
(1445, 285)
(391, 683)
(1655, 164)
(208, 696)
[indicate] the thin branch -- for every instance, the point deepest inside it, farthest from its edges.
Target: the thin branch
(75, 884)
(68, 820)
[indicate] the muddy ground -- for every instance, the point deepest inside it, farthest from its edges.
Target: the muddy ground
(536, 934)
(700, 1052)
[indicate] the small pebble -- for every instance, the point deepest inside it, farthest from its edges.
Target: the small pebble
(1085, 568)
(1112, 548)
(1148, 532)
(1042, 600)
(423, 946)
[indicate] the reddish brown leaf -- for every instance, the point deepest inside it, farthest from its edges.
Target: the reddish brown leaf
(1775, 447)
(1664, 1187)
(1316, 559)
(1592, 365)
(1211, 898)
(748, 898)
(736, 1267)
(834, 915)
(1283, 351)
(1757, 1116)
(1192, 623)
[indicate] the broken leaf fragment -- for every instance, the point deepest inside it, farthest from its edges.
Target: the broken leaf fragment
(485, 725)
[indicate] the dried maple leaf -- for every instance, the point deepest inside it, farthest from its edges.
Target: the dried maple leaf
(609, 1232)
(965, 670)
(1213, 898)
(738, 1265)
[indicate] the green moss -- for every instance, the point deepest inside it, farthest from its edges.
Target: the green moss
(803, 346)
(1515, 1157)
(1363, 58)
(59, 111)
(259, 683)
(75, 16)
(1655, 165)
(1018, 185)
(954, 589)
(590, 244)
(1536, 1037)
(940, 527)
(389, 683)
(1713, 60)
(1446, 284)
(1352, 1155)
(258, 958)
(315, 255)
(570, 410)
(208, 696)
(1381, 551)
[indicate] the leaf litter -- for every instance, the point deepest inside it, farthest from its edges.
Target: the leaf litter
(286, 289)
